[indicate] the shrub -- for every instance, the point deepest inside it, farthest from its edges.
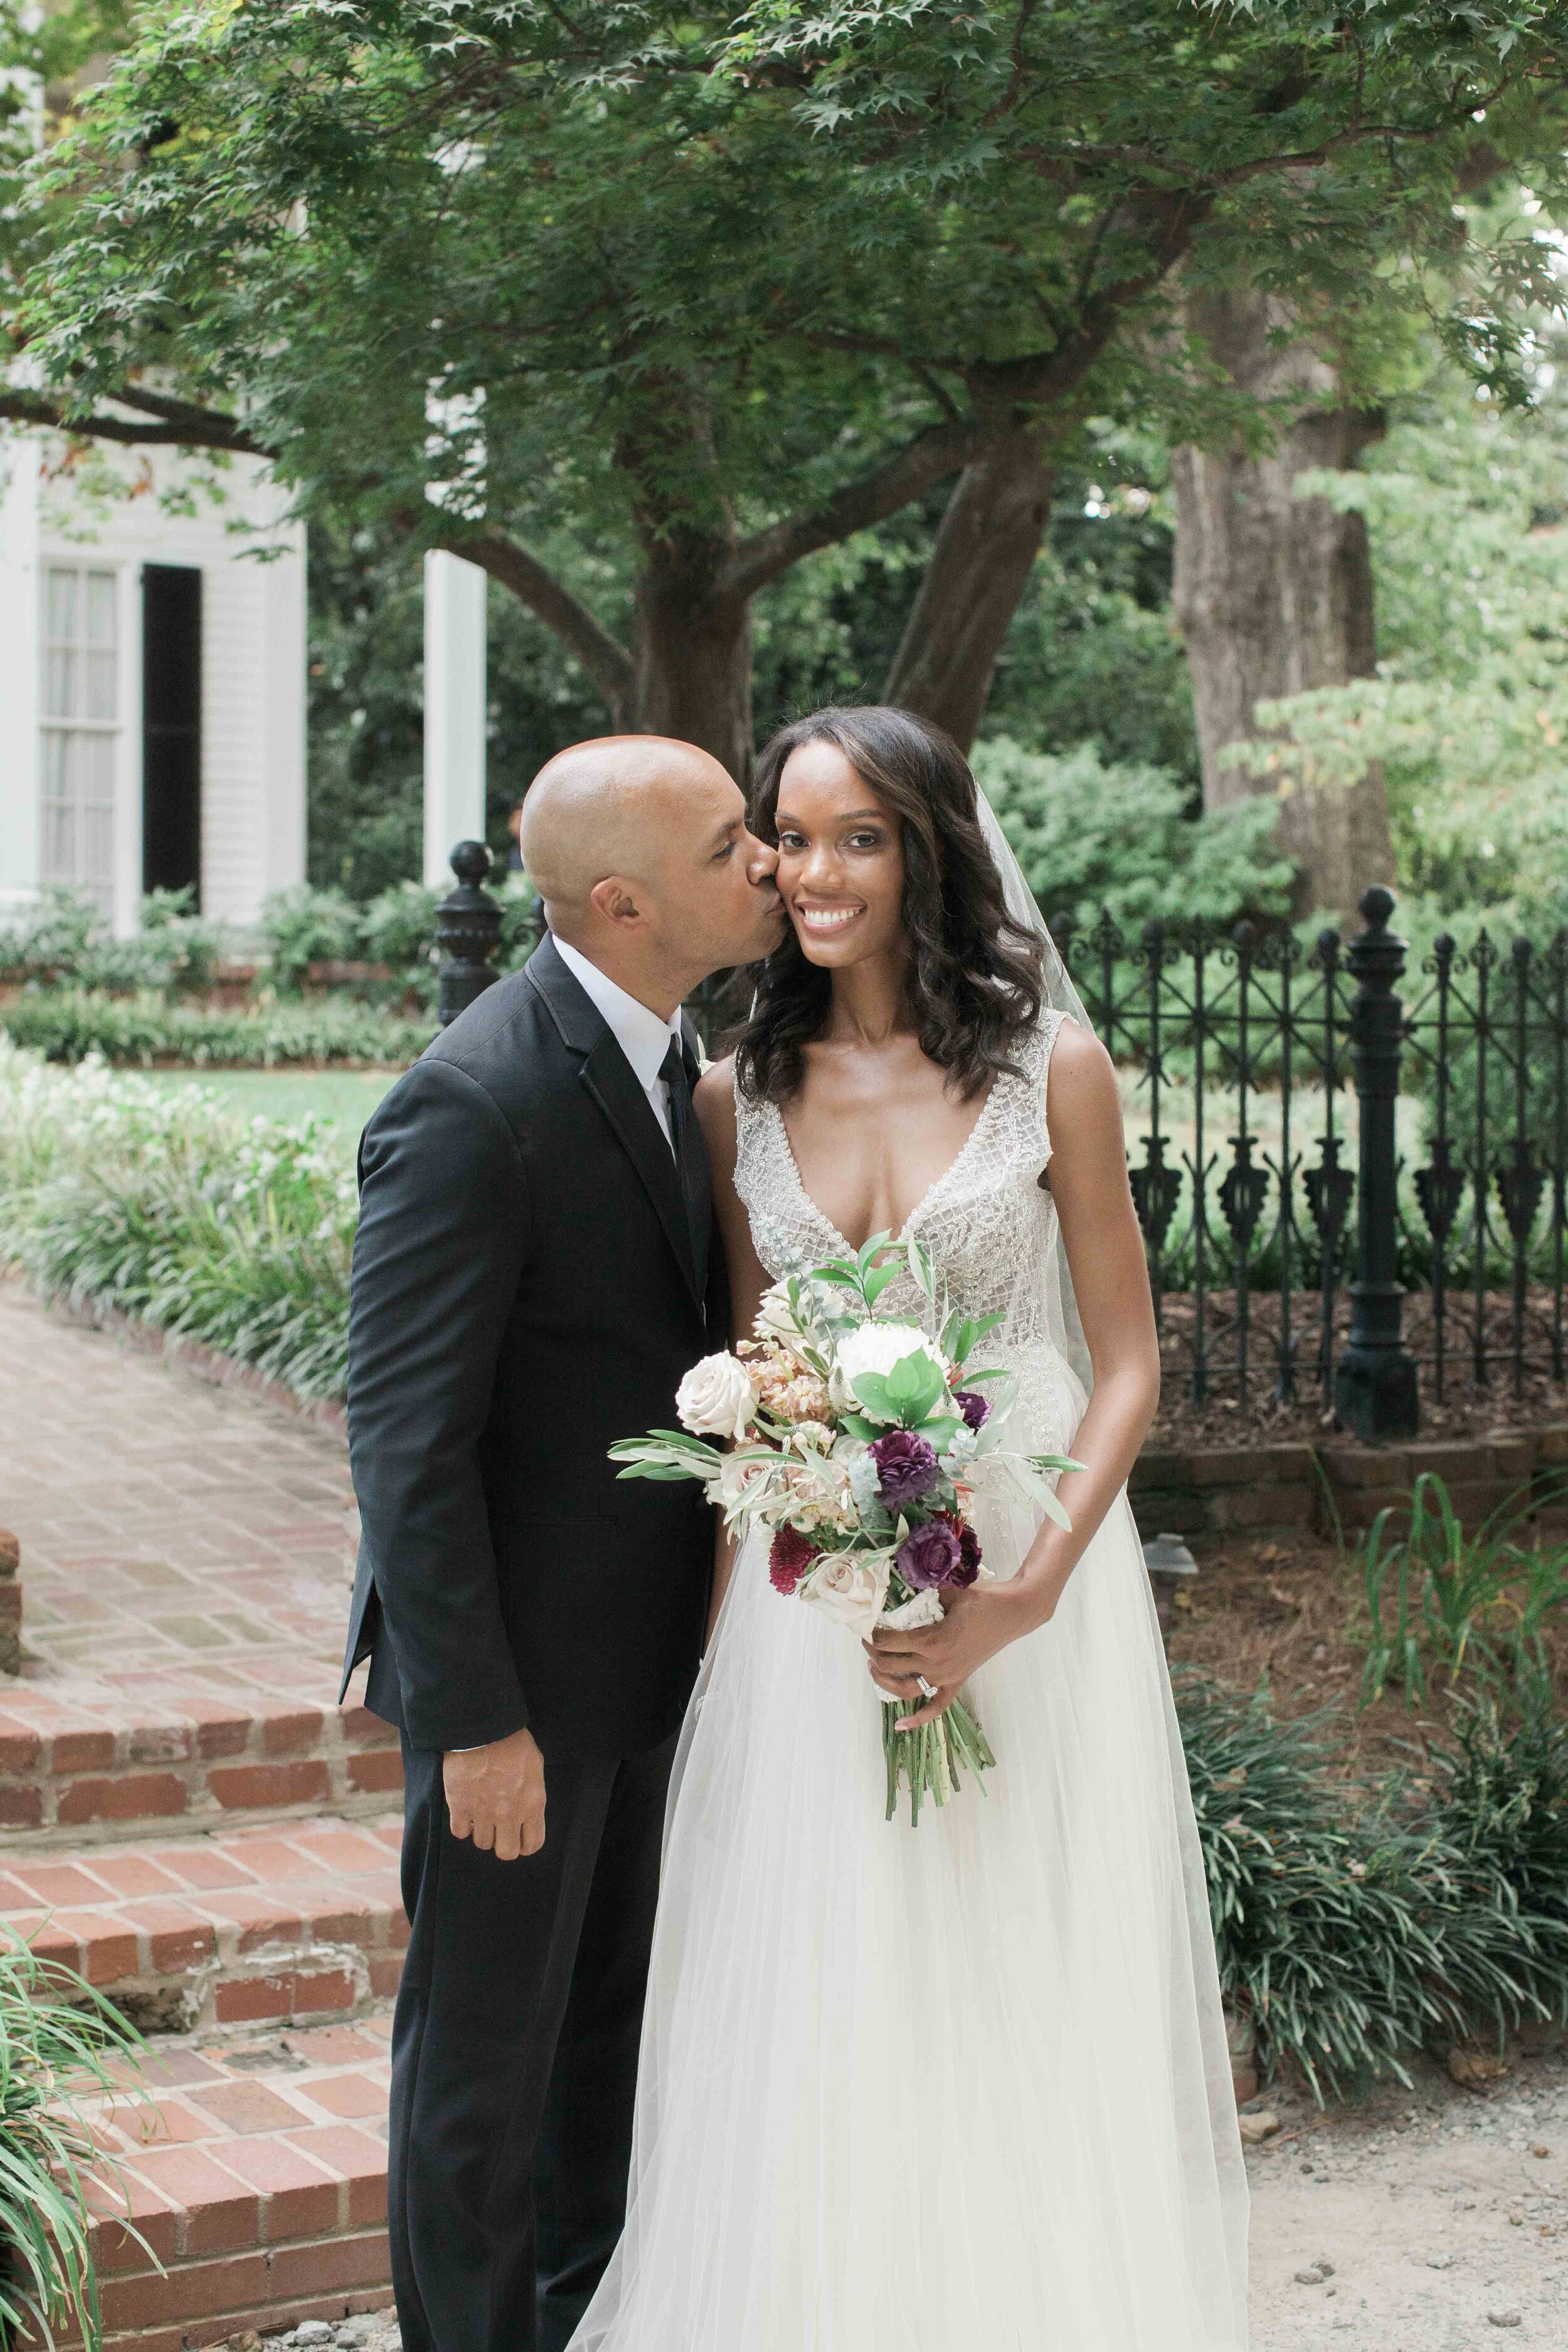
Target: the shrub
(59, 2042)
(301, 926)
(69, 1024)
(64, 938)
(1089, 835)
(169, 1208)
(1354, 1925)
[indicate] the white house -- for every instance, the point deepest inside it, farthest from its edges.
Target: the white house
(153, 674)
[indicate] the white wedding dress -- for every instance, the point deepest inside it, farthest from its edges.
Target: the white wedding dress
(962, 2087)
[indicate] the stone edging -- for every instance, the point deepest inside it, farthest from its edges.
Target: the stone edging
(1209, 1492)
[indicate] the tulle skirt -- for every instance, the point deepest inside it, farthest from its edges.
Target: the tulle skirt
(962, 2087)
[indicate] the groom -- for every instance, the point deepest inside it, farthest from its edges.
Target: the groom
(535, 1270)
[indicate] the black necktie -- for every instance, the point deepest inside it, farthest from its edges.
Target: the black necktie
(691, 1156)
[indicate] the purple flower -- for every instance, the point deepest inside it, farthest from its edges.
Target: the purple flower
(968, 1568)
(976, 1408)
(906, 1467)
(930, 1556)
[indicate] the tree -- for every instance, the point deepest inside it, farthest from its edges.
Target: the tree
(714, 291)
(1274, 590)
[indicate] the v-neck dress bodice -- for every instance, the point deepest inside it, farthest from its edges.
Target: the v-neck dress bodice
(987, 1220)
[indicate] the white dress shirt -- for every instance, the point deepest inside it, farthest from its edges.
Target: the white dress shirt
(639, 1033)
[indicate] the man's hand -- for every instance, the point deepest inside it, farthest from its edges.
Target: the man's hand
(495, 1795)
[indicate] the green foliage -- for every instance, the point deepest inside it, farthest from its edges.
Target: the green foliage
(1090, 835)
(66, 1025)
(60, 2042)
(166, 1207)
(65, 938)
(1468, 517)
(1355, 1926)
(301, 926)
(742, 282)
(1439, 1598)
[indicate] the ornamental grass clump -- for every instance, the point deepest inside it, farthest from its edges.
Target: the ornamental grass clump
(169, 1209)
(61, 2045)
(1441, 1600)
(1355, 1926)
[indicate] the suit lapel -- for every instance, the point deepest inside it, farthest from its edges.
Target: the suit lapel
(610, 1079)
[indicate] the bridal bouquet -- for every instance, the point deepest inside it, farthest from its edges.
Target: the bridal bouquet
(860, 1442)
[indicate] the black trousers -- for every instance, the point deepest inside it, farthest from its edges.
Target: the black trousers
(514, 2055)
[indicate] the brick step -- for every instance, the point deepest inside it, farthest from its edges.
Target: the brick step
(256, 2172)
(85, 1763)
(300, 1921)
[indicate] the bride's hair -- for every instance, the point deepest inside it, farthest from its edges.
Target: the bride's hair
(974, 975)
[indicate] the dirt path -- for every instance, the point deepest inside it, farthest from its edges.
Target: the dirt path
(1443, 2213)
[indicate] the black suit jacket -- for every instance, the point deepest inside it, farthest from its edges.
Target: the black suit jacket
(524, 1294)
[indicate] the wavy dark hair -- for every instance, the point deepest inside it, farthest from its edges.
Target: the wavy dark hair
(975, 982)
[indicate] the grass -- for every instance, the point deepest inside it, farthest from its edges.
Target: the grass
(340, 1098)
(1439, 1598)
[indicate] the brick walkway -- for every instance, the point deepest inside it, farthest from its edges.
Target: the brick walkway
(188, 1819)
(185, 1566)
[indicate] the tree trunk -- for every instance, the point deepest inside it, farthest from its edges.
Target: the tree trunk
(692, 650)
(1274, 593)
(990, 536)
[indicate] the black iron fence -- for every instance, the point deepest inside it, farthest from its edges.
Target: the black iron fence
(1350, 1170)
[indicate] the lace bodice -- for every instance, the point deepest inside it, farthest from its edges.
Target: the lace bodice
(988, 1224)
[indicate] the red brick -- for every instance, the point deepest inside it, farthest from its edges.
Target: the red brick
(246, 2107)
(348, 2045)
(188, 2291)
(200, 1866)
(82, 1751)
(223, 1731)
(20, 1809)
(376, 1770)
(170, 2065)
(56, 1883)
(340, 1851)
(253, 1997)
(125, 2205)
(134, 1873)
(359, 1723)
(353, 2097)
(298, 2199)
(161, 1743)
(356, 1920)
(223, 2214)
(133, 1796)
(386, 1975)
(177, 1937)
(331, 2264)
(333, 1989)
(306, 1781)
(284, 1735)
(1367, 1465)
(269, 1921)
(110, 1949)
(162, 2125)
(356, 2159)
(19, 1749)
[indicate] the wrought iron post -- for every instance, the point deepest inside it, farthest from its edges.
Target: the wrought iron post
(468, 932)
(1374, 1385)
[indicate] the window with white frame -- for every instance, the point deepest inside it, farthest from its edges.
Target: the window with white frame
(80, 707)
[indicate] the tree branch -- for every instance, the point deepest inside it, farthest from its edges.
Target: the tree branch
(178, 426)
(603, 656)
(933, 454)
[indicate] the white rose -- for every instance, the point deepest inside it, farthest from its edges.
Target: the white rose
(848, 1588)
(717, 1398)
(877, 1347)
(776, 1319)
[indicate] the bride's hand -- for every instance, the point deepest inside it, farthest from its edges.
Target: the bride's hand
(975, 1625)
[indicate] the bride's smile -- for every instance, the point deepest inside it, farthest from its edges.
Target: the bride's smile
(841, 866)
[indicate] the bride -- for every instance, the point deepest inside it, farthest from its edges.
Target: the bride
(964, 2088)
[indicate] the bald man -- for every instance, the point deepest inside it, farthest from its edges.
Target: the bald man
(534, 1271)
